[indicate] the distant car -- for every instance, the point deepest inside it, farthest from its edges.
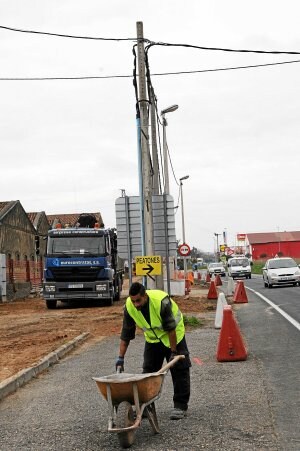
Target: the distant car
(281, 271)
(216, 268)
(239, 267)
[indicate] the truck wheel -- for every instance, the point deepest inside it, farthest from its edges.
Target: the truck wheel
(118, 290)
(51, 304)
(110, 301)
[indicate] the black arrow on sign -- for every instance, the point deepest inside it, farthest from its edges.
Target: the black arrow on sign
(148, 269)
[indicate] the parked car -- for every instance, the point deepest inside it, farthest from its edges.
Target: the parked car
(239, 267)
(281, 271)
(216, 268)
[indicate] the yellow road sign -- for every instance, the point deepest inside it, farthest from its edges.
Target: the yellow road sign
(148, 265)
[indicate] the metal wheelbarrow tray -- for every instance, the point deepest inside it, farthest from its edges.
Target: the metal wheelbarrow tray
(129, 396)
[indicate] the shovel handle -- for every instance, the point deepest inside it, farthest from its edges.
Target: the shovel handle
(170, 364)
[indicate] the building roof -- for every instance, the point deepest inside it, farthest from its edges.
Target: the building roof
(70, 219)
(36, 218)
(32, 216)
(5, 206)
(272, 237)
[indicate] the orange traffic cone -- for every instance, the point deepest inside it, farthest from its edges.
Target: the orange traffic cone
(207, 277)
(187, 286)
(212, 292)
(240, 295)
(231, 347)
(218, 280)
(190, 277)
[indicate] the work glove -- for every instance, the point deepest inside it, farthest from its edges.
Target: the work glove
(120, 365)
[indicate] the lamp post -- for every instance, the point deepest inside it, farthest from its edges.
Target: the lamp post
(182, 219)
(217, 253)
(170, 109)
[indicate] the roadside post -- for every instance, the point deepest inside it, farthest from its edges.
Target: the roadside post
(184, 250)
(2, 277)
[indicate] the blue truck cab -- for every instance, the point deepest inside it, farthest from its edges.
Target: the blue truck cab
(82, 263)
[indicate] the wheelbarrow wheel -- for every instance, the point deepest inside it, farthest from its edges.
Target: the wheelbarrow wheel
(124, 419)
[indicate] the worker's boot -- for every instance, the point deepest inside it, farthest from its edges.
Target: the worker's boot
(177, 414)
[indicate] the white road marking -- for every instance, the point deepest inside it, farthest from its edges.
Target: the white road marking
(278, 309)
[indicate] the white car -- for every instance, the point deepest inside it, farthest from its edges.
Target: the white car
(281, 271)
(216, 268)
(239, 267)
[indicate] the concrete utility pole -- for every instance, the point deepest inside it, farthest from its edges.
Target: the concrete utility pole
(155, 164)
(145, 149)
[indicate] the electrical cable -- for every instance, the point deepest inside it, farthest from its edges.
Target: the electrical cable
(61, 35)
(134, 82)
(249, 66)
(151, 43)
(177, 206)
(221, 49)
(159, 74)
(171, 164)
(150, 87)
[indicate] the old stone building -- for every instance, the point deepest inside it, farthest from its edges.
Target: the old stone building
(22, 242)
(17, 234)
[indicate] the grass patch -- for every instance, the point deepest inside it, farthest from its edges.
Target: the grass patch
(257, 266)
(192, 321)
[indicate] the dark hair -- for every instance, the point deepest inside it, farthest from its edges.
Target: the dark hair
(137, 288)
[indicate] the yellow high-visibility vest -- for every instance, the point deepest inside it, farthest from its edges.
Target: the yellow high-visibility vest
(154, 332)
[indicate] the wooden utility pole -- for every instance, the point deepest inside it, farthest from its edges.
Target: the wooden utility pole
(146, 193)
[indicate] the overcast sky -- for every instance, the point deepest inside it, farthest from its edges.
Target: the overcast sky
(70, 146)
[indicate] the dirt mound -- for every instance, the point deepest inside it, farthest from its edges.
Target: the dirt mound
(29, 331)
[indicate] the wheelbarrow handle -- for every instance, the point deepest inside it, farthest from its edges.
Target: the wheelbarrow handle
(171, 363)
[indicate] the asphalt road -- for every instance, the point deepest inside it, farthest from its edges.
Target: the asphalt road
(286, 297)
(63, 410)
(275, 341)
(250, 405)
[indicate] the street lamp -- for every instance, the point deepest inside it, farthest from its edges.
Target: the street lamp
(217, 253)
(170, 109)
(182, 219)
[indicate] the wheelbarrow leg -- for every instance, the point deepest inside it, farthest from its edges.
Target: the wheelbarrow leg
(110, 407)
(152, 417)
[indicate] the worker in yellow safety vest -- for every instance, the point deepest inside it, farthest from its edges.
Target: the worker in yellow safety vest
(159, 317)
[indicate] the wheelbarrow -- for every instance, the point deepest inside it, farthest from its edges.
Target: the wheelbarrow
(130, 398)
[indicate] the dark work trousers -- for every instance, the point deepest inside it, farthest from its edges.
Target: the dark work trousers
(154, 355)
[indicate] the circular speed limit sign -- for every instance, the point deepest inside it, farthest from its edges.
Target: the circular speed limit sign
(184, 250)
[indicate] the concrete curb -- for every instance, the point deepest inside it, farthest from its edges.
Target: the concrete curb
(11, 384)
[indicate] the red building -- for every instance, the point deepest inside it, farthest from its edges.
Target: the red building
(272, 244)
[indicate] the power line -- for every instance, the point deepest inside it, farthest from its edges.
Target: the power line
(158, 74)
(152, 43)
(249, 66)
(221, 49)
(83, 77)
(61, 35)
